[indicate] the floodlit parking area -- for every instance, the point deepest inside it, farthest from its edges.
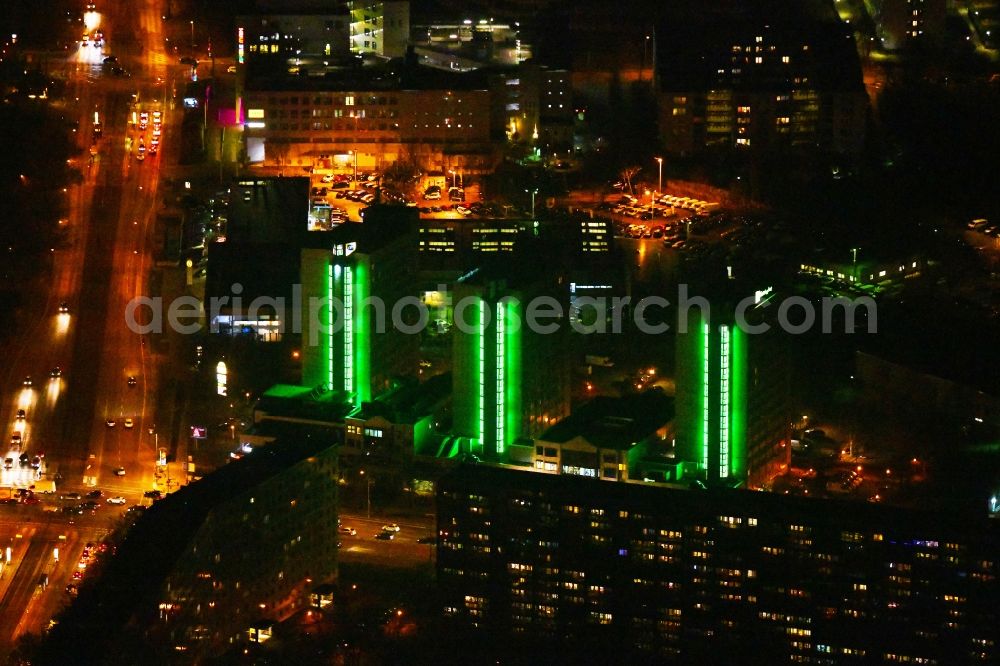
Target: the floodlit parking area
(337, 198)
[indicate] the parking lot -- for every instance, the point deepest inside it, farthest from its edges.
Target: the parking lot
(339, 198)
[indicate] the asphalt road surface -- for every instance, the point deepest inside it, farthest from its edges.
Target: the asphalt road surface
(102, 266)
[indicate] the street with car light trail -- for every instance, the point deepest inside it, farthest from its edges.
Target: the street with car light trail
(102, 264)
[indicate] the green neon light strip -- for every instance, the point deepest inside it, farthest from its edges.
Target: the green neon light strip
(724, 398)
(482, 371)
(362, 335)
(737, 405)
(512, 372)
(348, 329)
(329, 322)
(704, 396)
(501, 372)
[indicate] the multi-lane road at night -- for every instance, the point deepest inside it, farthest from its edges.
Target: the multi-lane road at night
(74, 320)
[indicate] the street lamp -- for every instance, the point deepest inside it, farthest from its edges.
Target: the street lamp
(355, 155)
(659, 189)
(650, 201)
(192, 34)
(533, 193)
(369, 492)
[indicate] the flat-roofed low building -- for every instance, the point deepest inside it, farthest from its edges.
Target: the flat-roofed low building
(606, 438)
(390, 430)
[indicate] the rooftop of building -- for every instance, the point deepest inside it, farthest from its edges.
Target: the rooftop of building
(410, 401)
(231, 264)
(383, 226)
(129, 587)
(615, 423)
(534, 265)
(662, 498)
(304, 402)
(268, 210)
(327, 74)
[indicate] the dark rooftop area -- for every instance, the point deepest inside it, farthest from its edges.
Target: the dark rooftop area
(269, 210)
(411, 401)
(304, 402)
(665, 499)
(615, 422)
(357, 75)
(262, 270)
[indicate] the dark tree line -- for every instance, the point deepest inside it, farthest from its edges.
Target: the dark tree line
(37, 162)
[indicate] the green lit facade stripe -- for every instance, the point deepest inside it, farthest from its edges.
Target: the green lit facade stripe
(724, 401)
(705, 363)
(348, 349)
(512, 371)
(501, 372)
(362, 334)
(738, 456)
(481, 361)
(330, 320)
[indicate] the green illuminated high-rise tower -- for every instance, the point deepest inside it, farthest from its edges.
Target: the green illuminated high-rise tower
(363, 270)
(348, 360)
(732, 398)
(509, 382)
